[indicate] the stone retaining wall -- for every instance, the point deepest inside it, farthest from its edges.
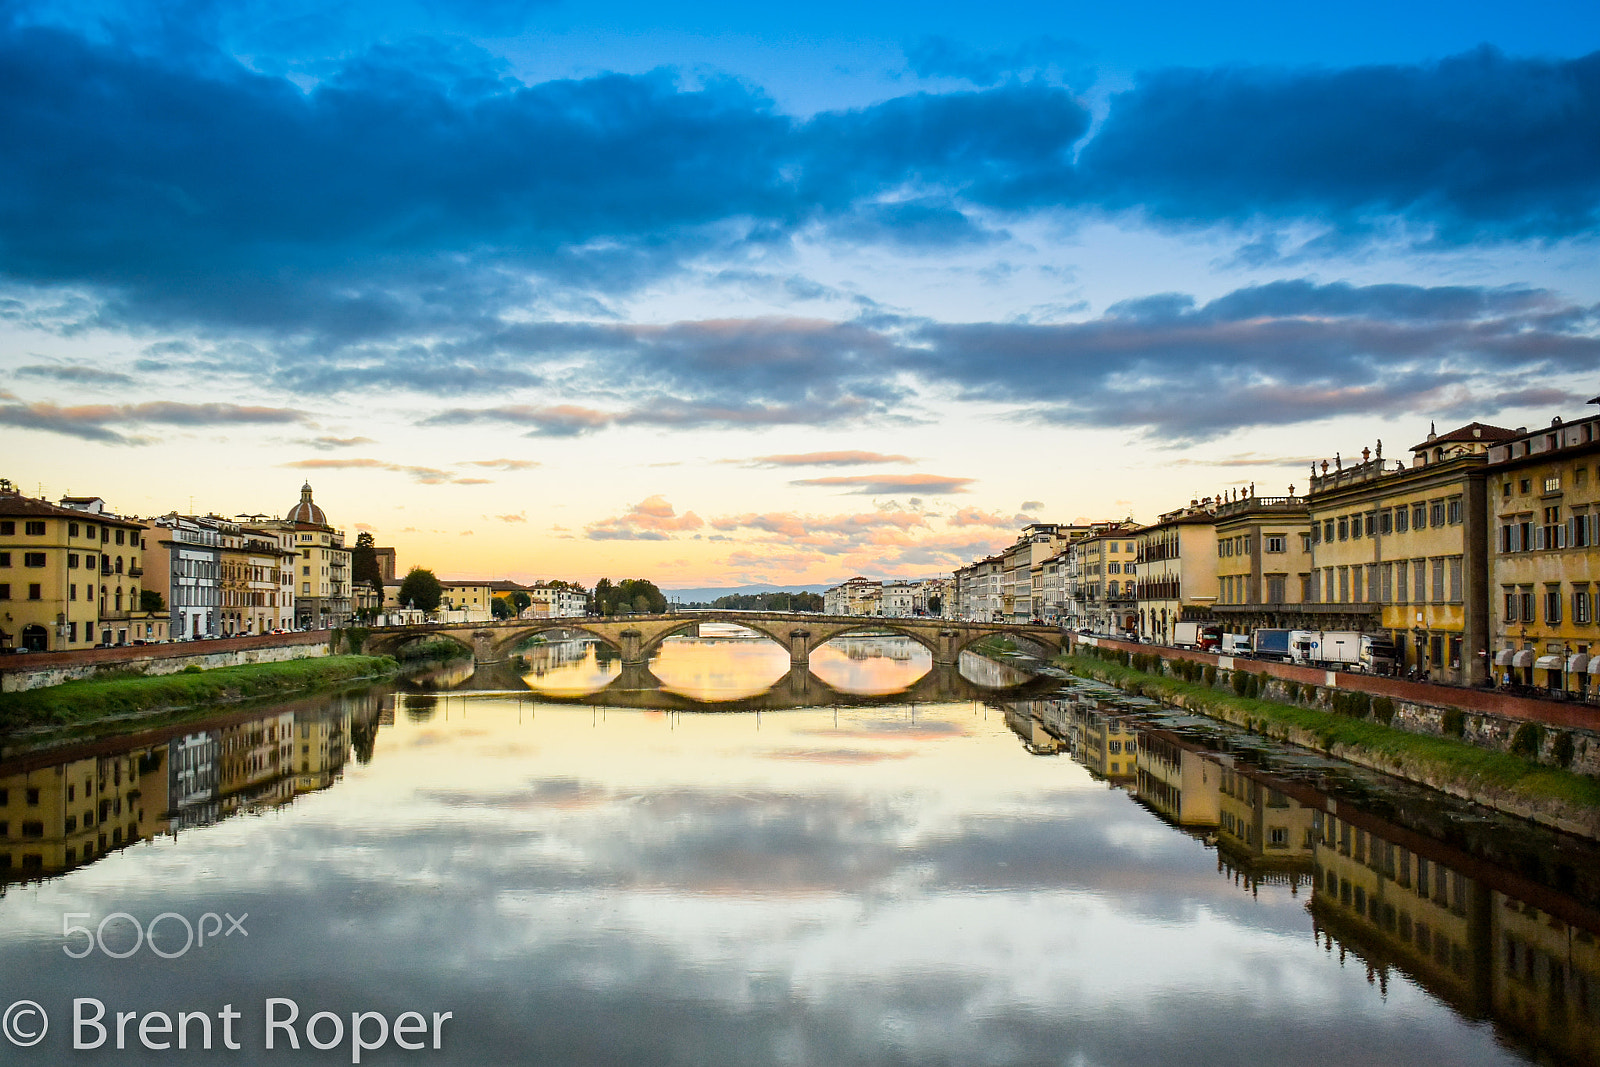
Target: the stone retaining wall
(1481, 717)
(35, 670)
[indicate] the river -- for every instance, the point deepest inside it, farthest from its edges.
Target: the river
(719, 875)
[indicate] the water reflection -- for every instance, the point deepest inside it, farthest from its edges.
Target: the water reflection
(1497, 918)
(870, 663)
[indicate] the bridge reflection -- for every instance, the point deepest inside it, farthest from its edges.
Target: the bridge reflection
(638, 687)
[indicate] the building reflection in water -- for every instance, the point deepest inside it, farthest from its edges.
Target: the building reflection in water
(1497, 920)
(60, 811)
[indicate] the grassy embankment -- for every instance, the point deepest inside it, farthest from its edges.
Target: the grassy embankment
(1504, 780)
(133, 694)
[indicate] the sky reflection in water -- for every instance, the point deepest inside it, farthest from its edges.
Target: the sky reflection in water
(585, 886)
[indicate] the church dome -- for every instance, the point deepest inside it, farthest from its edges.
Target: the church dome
(306, 512)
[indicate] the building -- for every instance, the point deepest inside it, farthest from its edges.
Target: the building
(57, 818)
(1177, 570)
(1543, 499)
(1105, 561)
(321, 590)
(977, 590)
(1404, 550)
(858, 596)
(185, 563)
(1021, 592)
(70, 577)
(466, 599)
(1263, 561)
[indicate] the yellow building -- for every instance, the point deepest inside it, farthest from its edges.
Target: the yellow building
(1257, 821)
(468, 596)
(69, 576)
(1263, 561)
(321, 590)
(1101, 575)
(1543, 493)
(60, 817)
(321, 747)
(1404, 550)
(1179, 781)
(1177, 570)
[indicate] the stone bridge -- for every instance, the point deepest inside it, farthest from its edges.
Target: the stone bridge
(636, 637)
(637, 687)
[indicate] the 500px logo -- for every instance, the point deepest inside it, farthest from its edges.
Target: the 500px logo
(168, 924)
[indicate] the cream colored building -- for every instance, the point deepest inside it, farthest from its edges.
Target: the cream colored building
(1263, 561)
(1404, 550)
(1177, 570)
(1543, 499)
(1106, 596)
(322, 594)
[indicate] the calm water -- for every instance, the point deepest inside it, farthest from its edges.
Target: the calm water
(1062, 880)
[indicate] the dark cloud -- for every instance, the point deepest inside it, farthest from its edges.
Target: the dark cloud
(1477, 145)
(97, 422)
(73, 374)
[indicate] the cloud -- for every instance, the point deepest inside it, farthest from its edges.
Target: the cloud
(520, 516)
(881, 484)
(95, 422)
(501, 464)
(1474, 146)
(652, 519)
(330, 443)
(979, 517)
(73, 374)
(1031, 505)
(421, 475)
(829, 459)
(942, 57)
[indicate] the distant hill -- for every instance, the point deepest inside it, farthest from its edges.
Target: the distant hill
(707, 595)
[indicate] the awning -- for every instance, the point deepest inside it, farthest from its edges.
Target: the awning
(1594, 664)
(1503, 657)
(1577, 663)
(1549, 663)
(1523, 658)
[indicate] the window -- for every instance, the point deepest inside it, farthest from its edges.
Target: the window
(72, 635)
(1511, 606)
(5, 559)
(1581, 606)
(1386, 580)
(1525, 485)
(1402, 519)
(1438, 580)
(1436, 513)
(72, 592)
(1552, 604)
(1386, 521)
(1419, 582)
(33, 559)
(35, 529)
(1453, 510)
(34, 592)
(1275, 588)
(1525, 605)
(33, 798)
(1327, 530)
(1344, 527)
(1355, 526)
(120, 535)
(1552, 485)
(1419, 516)
(5, 591)
(1344, 585)
(1356, 585)
(7, 528)
(1274, 543)
(1455, 579)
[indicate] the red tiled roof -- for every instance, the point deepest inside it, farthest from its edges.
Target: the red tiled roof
(15, 504)
(1472, 431)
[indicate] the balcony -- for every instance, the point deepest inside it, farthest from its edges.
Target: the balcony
(135, 572)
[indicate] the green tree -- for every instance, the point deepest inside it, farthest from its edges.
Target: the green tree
(364, 564)
(500, 607)
(604, 599)
(421, 590)
(520, 601)
(150, 600)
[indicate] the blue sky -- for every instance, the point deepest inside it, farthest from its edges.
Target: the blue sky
(719, 293)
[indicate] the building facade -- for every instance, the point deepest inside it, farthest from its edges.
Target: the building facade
(1543, 500)
(1177, 570)
(1263, 562)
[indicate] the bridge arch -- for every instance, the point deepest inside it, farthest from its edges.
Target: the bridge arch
(387, 644)
(502, 646)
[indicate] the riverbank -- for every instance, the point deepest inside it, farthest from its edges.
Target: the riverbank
(117, 697)
(1505, 781)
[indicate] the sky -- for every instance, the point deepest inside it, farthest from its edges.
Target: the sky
(726, 295)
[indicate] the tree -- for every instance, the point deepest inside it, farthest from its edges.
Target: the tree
(500, 607)
(520, 601)
(364, 564)
(150, 600)
(420, 590)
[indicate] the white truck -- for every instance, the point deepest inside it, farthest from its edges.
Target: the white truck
(1205, 636)
(1236, 645)
(1342, 650)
